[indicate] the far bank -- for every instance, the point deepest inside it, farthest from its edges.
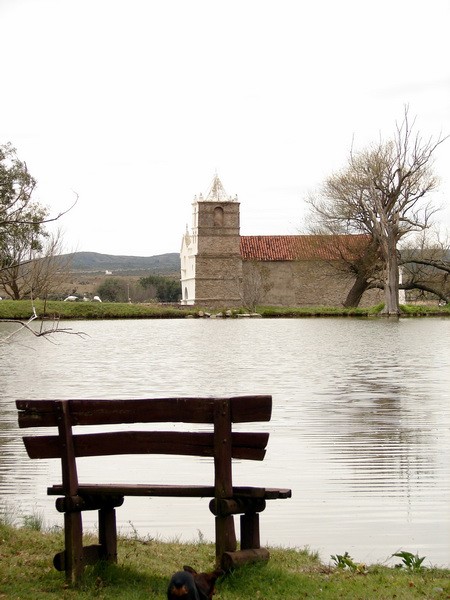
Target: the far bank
(22, 310)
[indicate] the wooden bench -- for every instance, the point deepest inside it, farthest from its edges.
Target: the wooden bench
(219, 442)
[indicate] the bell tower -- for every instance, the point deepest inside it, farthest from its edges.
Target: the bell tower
(211, 264)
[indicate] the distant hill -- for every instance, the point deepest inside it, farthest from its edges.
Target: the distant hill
(93, 262)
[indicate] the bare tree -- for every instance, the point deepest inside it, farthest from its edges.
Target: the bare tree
(383, 192)
(35, 273)
(256, 284)
(426, 266)
(45, 331)
(365, 266)
(354, 257)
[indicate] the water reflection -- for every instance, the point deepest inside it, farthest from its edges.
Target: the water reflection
(360, 428)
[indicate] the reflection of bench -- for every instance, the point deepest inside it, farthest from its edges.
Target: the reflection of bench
(218, 442)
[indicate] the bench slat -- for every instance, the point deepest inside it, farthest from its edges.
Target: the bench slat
(244, 409)
(194, 491)
(245, 445)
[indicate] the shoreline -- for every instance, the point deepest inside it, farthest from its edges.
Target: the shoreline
(23, 310)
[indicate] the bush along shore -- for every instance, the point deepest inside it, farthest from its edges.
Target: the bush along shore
(51, 310)
(145, 566)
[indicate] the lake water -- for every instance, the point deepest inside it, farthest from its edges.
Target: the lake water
(360, 428)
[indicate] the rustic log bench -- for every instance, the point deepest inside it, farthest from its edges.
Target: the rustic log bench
(219, 442)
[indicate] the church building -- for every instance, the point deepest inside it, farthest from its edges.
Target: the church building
(222, 269)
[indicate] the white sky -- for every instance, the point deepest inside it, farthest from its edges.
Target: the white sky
(135, 104)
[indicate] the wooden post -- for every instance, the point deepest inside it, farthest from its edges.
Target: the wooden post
(250, 531)
(225, 532)
(73, 525)
(73, 540)
(233, 560)
(107, 534)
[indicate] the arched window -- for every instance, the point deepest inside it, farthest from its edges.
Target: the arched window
(218, 216)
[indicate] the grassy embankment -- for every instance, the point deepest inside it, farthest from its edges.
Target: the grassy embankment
(145, 566)
(22, 309)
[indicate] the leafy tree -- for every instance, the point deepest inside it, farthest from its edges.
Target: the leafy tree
(382, 192)
(167, 289)
(16, 188)
(28, 254)
(29, 265)
(113, 290)
(20, 244)
(21, 220)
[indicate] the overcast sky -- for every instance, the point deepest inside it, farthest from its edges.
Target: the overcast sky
(134, 105)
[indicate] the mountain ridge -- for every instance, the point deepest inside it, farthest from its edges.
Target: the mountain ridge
(92, 262)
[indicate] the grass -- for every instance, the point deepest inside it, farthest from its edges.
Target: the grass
(145, 566)
(417, 310)
(317, 311)
(22, 310)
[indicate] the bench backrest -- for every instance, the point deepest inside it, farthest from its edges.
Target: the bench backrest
(221, 443)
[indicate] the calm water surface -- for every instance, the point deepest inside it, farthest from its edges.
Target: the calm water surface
(360, 428)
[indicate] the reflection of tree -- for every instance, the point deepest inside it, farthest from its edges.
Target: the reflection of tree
(7, 438)
(372, 431)
(18, 475)
(8, 459)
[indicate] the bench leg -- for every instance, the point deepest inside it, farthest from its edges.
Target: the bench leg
(107, 534)
(250, 538)
(225, 537)
(73, 558)
(251, 550)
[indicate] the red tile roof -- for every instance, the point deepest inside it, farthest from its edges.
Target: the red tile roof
(300, 247)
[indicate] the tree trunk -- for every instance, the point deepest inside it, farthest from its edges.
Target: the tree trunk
(356, 292)
(391, 303)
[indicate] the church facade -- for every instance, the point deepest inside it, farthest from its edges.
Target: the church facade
(220, 268)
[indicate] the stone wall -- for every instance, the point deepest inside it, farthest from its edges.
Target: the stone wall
(299, 283)
(218, 281)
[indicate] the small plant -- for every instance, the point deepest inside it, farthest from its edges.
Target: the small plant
(134, 534)
(35, 521)
(410, 561)
(201, 536)
(8, 514)
(345, 561)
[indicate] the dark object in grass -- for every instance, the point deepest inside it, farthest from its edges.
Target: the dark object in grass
(205, 582)
(182, 585)
(190, 585)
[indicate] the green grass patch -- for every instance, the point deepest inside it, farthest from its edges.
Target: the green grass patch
(23, 309)
(423, 310)
(145, 566)
(315, 311)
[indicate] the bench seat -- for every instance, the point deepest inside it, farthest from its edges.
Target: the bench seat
(188, 491)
